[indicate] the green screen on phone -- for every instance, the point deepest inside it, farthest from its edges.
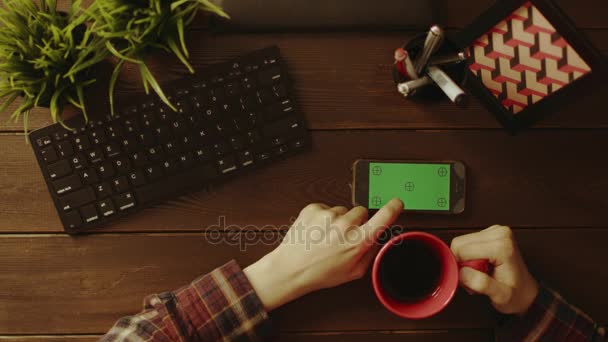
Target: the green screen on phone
(419, 186)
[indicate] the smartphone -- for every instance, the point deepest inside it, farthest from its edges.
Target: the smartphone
(424, 186)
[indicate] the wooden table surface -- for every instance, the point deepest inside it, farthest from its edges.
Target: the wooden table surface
(549, 184)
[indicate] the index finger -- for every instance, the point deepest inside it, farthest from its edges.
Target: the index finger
(382, 219)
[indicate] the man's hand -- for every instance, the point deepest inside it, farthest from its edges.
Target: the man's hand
(511, 288)
(325, 247)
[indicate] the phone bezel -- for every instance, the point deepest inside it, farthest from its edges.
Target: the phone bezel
(360, 184)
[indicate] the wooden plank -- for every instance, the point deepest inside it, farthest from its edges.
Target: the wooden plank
(584, 13)
(343, 80)
(82, 285)
(382, 336)
(538, 179)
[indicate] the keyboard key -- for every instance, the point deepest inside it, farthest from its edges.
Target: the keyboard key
(146, 138)
(237, 142)
(266, 97)
(278, 141)
(221, 148)
(112, 150)
(186, 160)
(72, 220)
(210, 114)
(280, 91)
(89, 213)
(296, 144)
(263, 155)
(48, 154)
(129, 144)
(233, 89)
(122, 165)
(170, 166)
(95, 156)
(288, 126)
(226, 164)
(44, 141)
(178, 127)
(124, 201)
(106, 207)
(162, 133)
(98, 136)
(121, 184)
(137, 178)
(202, 154)
(65, 149)
(59, 169)
(153, 172)
(253, 137)
(139, 159)
(278, 110)
(106, 170)
(172, 148)
(89, 176)
(61, 135)
(280, 150)
(103, 190)
(186, 142)
(155, 154)
(82, 143)
(270, 76)
(175, 184)
(245, 158)
(249, 103)
(249, 83)
(79, 161)
(67, 184)
(77, 199)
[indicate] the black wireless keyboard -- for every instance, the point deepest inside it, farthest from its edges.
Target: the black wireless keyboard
(231, 117)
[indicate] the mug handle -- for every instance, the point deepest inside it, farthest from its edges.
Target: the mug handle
(481, 265)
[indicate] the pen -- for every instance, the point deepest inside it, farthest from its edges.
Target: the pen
(449, 87)
(432, 42)
(448, 59)
(400, 55)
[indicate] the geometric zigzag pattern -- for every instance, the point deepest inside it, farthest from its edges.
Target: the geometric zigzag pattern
(523, 59)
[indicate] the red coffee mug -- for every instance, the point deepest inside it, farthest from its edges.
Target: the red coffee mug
(447, 284)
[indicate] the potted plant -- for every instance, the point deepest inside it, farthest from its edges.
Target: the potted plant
(133, 28)
(46, 57)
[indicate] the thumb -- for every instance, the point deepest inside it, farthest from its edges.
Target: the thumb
(482, 283)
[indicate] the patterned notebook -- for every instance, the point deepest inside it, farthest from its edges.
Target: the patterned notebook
(523, 59)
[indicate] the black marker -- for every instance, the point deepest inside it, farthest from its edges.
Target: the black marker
(448, 59)
(432, 42)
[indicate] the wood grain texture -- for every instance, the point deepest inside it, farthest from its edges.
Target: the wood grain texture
(538, 179)
(83, 285)
(381, 336)
(343, 80)
(584, 13)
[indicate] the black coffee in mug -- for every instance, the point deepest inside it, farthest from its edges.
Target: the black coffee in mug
(410, 271)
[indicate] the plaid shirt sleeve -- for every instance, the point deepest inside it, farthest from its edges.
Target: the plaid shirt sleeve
(219, 306)
(551, 318)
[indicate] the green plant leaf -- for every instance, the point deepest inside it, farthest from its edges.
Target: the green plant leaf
(113, 79)
(150, 79)
(179, 55)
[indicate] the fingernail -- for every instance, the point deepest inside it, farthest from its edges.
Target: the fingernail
(401, 204)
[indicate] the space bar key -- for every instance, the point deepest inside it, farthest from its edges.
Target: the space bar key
(164, 188)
